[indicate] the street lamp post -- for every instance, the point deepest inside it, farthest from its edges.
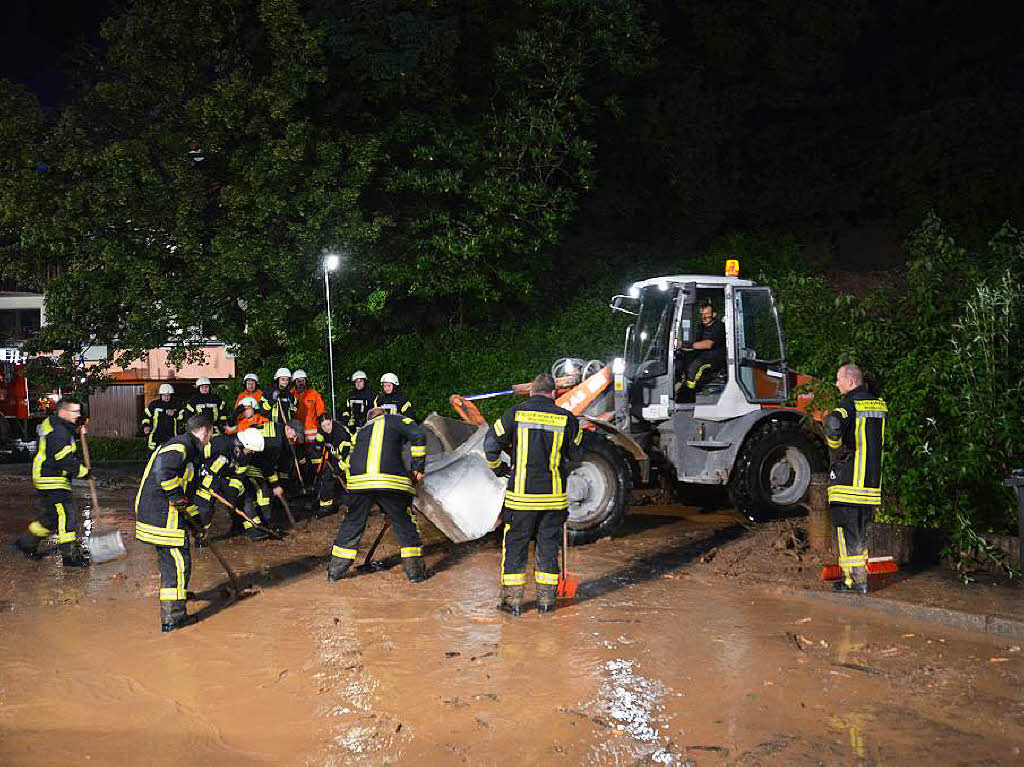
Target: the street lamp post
(331, 262)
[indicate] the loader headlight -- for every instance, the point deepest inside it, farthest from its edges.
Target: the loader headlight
(663, 285)
(618, 366)
(634, 292)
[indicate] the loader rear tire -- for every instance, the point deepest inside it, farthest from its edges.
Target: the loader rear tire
(773, 469)
(599, 490)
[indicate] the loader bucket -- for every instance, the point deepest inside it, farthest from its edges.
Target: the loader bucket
(459, 494)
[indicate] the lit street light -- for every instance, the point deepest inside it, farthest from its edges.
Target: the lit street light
(331, 262)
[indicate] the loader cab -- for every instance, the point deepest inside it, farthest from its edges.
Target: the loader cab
(668, 320)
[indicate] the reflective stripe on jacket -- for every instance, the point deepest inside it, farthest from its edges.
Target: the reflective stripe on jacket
(56, 461)
(541, 438)
(309, 408)
(161, 496)
(375, 460)
(855, 434)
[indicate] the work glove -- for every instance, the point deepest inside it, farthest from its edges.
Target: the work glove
(502, 470)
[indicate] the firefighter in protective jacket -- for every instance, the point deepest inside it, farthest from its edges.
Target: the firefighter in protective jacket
(358, 403)
(391, 398)
(855, 432)
(205, 402)
(163, 512)
(160, 421)
(226, 459)
(56, 463)
(333, 442)
(541, 439)
(377, 475)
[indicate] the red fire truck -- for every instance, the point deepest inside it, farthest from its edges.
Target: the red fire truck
(22, 407)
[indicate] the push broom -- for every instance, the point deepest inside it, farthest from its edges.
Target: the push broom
(567, 582)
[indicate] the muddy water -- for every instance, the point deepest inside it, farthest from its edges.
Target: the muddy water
(650, 666)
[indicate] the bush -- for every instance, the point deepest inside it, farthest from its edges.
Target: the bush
(118, 449)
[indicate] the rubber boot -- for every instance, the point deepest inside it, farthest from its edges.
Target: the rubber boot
(255, 534)
(28, 545)
(72, 555)
(173, 615)
(547, 595)
(860, 580)
(512, 599)
(337, 568)
(415, 568)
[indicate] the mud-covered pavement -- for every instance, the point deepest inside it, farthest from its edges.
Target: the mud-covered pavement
(654, 664)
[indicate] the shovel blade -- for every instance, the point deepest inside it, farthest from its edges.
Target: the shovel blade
(104, 547)
(568, 584)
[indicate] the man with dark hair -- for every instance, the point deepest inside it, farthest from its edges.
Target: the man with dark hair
(56, 463)
(854, 432)
(160, 506)
(541, 439)
(377, 476)
(333, 441)
(708, 352)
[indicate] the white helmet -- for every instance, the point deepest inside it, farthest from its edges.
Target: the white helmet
(248, 402)
(282, 373)
(166, 389)
(359, 374)
(250, 377)
(251, 439)
(203, 381)
(299, 374)
(390, 378)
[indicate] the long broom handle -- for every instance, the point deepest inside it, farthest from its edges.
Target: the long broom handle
(376, 542)
(88, 466)
(565, 546)
(244, 516)
(223, 562)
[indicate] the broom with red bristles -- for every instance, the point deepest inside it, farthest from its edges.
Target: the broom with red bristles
(567, 583)
(876, 566)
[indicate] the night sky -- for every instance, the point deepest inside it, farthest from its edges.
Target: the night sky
(39, 35)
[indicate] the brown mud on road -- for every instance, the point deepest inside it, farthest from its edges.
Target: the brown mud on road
(649, 666)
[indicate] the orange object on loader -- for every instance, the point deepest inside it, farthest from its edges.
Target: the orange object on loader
(876, 566)
(567, 583)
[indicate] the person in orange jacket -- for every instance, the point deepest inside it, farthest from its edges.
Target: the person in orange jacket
(252, 389)
(309, 410)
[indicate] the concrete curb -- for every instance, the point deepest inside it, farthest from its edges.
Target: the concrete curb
(957, 619)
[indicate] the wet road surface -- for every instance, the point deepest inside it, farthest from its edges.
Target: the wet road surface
(652, 665)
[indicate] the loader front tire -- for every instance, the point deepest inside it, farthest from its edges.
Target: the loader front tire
(599, 490)
(773, 469)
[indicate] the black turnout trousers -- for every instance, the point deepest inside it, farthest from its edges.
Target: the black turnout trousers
(521, 527)
(395, 504)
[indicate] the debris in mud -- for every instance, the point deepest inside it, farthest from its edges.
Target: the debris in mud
(452, 654)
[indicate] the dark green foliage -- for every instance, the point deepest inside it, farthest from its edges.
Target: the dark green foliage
(118, 449)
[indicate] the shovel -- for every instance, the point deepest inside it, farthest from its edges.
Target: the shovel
(367, 565)
(102, 547)
(567, 582)
(262, 528)
(235, 590)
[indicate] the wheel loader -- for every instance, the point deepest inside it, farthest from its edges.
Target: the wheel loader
(746, 429)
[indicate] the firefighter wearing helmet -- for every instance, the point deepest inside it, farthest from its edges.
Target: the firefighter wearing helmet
(251, 388)
(391, 398)
(206, 402)
(309, 409)
(226, 460)
(160, 421)
(358, 403)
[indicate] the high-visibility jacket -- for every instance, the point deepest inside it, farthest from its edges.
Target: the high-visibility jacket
(257, 395)
(357, 405)
(222, 459)
(375, 461)
(56, 461)
(855, 434)
(282, 406)
(309, 409)
(209, 405)
(542, 439)
(396, 402)
(162, 425)
(336, 445)
(162, 494)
